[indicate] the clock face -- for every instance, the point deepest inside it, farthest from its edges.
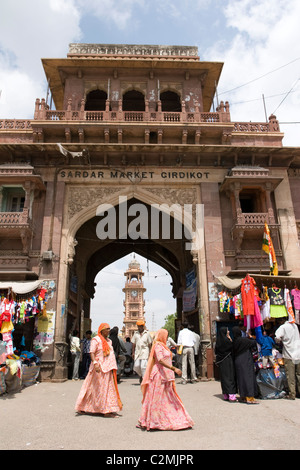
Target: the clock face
(134, 293)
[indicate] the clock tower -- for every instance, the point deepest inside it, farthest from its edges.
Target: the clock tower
(134, 298)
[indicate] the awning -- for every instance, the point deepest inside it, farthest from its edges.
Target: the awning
(267, 280)
(21, 287)
(229, 283)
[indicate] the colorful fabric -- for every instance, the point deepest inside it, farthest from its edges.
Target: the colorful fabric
(161, 407)
(99, 392)
(105, 346)
(289, 307)
(248, 295)
(295, 293)
(268, 248)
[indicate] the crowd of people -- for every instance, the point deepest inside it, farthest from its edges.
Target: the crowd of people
(152, 361)
(235, 359)
(158, 361)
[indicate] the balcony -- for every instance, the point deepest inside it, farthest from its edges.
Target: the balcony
(253, 220)
(252, 261)
(114, 125)
(17, 225)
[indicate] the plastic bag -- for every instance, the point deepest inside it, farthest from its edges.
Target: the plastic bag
(270, 386)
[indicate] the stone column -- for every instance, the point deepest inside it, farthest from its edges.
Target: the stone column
(211, 264)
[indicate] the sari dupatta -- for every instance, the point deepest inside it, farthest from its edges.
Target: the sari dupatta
(105, 345)
(161, 338)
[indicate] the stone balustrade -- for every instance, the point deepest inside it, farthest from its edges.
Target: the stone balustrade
(14, 218)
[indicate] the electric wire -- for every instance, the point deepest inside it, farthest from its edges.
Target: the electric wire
(258, 78)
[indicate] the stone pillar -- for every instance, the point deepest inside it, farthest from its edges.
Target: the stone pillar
(211, 264)
(53, 361)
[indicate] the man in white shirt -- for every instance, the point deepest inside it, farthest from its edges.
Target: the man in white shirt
(75, 353)
(187, 339)
(288, 334)
(141, 345)
(196, 348)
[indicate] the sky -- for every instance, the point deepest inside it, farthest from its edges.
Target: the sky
(257, 40)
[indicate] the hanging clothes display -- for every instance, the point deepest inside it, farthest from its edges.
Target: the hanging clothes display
(277, 302)
(248, 295)
(295, 299)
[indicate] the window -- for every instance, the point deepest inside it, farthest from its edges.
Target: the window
(133, 101)
(95, 100)
(13, 199)
(252, 201)
(170, 102)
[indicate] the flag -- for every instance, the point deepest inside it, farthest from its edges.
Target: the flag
(267, 246)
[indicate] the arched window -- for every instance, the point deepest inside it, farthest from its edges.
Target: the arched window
(170, 102)
(133, 101)
(95, 100)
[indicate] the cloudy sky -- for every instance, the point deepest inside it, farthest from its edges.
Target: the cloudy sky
(258, 41)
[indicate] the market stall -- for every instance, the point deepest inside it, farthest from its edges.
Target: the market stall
(23, 318)
(259, 304)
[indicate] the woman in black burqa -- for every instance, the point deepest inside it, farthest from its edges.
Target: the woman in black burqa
(224, 361)
(244, 365)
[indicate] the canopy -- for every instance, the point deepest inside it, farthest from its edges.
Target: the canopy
(288, 281)
(230, 283)
(21, 287)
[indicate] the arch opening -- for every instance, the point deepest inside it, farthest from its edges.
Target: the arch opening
(95, 100)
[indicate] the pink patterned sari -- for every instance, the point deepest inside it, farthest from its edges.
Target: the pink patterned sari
(99, 391)
(161, 407)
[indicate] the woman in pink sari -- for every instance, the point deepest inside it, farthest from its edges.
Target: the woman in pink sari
(161, 406)
(99, 392)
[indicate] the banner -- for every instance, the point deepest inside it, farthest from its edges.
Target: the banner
(268, 248)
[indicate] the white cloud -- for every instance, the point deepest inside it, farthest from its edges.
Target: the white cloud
(29, 31)
(112, 11)
(260, 43)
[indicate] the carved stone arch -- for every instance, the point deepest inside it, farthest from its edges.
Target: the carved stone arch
(79, 208)
(170, 100)
(133, 99)
(95, 98)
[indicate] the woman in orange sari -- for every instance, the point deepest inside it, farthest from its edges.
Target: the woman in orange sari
(99, 392)
(161, 406)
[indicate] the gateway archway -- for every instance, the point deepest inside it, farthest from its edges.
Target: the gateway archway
(167, 245)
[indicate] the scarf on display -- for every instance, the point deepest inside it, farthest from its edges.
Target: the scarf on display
(160, 338)
(105, 345)
(289, 306)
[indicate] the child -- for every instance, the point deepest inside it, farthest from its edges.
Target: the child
(267, 344)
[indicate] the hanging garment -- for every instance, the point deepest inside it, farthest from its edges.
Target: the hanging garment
(237, 303)
(223, 299)
(248, 295)
(277, 302)
(295, 297)
(289, 307)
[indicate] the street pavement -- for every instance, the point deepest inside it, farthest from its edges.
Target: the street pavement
(42, 417)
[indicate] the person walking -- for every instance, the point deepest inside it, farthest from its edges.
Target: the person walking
(75, 351)
(119, 349)
(187, 340)
(244, 366)
(141, 345)
(86, 357)
(224, 362)
(288, 334)
(196, 349)
(99, 392)
(161, 406)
